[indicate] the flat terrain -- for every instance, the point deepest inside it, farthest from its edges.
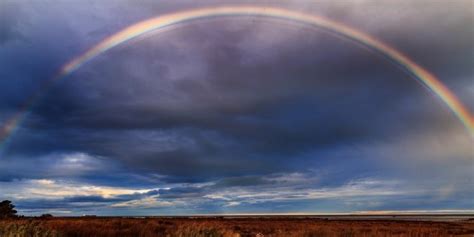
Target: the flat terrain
(242, 226)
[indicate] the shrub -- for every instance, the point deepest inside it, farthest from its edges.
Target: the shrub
(7, 209)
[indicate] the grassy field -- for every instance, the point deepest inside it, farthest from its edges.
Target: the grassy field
(124, 227)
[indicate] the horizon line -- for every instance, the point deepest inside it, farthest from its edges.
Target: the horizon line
(469, 212)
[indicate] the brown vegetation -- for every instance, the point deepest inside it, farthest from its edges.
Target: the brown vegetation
(108, 227)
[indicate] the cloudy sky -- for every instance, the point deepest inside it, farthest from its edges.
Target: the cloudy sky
(235, 114)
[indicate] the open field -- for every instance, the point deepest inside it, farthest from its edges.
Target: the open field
(240, 226)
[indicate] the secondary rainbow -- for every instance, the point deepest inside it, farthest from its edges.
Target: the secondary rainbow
(161, 22)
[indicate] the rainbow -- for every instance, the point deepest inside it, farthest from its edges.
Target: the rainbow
(423, 76)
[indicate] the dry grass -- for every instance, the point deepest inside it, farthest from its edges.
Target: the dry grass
(124, 227)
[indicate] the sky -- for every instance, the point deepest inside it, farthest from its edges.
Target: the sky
(235, 115)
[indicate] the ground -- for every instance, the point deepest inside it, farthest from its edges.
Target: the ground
(231, 226)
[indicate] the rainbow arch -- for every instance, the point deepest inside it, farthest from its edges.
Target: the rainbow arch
(160, 22)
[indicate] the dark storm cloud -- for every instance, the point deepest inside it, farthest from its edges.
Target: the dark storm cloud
(242, 181)
(31, 54)
(201, 99)
(77, 203)
(9, 22)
